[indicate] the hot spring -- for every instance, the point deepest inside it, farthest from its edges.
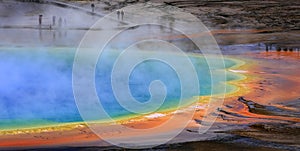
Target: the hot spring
(36, 85)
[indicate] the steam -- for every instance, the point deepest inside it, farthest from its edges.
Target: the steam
(36, 85)
(20, 21)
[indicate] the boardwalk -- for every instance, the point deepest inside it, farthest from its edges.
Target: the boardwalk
(62, 4)
(89, 11)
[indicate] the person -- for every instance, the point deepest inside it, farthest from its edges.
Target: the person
(53, 20)
(93, 7)
(60, 22)
(65, 21)
(267, 47)
(40, 19)
(118, 14)
(122, 14)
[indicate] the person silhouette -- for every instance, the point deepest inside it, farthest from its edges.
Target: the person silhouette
(122, 14)
(40, 19)
(118, 14)
(60, 22)
(53, 20)
(93, 7)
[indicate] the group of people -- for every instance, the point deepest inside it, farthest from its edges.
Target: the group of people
(60, 21)
(120, 13)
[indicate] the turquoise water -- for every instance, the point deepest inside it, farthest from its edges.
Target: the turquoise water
(36, 85)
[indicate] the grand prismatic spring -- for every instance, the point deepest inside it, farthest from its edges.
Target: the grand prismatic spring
(254, 106)
(37, 87)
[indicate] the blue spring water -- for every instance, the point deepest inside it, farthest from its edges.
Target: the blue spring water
(36, 85)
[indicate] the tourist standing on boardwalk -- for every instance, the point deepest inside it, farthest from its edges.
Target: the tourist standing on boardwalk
(60, 22)
(53, 20)
(93, 7)
(40, 19)
(122, 14)
(65, 22)
(118, 14)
